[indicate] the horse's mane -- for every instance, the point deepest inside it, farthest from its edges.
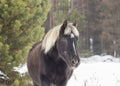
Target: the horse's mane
(53, 34)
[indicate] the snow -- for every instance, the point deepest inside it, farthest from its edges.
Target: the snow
(97, 71)
(21, 69)
(93, 71)
(3, 76)
(97, 58)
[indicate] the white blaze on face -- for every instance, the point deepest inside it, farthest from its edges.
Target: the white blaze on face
(74, 48)
(72, 36)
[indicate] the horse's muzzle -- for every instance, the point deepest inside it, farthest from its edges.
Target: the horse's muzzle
(75, 62)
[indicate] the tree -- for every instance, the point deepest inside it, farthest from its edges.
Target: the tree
(97, 20)
(93, 26)
(111, 25)
(20, 25)
(66, 10)
(102, 25)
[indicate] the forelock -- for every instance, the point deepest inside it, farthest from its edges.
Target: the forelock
(71, 29)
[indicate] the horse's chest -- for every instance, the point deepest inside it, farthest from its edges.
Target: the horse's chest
(56, 72)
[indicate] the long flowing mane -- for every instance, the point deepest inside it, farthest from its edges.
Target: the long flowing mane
(52, 35)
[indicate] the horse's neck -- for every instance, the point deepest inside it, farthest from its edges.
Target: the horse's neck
(53, 54)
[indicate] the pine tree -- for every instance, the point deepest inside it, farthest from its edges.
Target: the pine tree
(64, 11)
(20, 25)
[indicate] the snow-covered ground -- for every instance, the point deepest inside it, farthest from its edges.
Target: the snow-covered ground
(93, 71)
(21, 69)
(97, 71)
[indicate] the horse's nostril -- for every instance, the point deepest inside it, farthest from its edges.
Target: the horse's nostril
(73, 61)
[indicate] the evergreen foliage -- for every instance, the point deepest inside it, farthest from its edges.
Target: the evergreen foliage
(64, 11)
(20, 25)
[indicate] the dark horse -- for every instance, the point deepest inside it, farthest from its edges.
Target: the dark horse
(52, 60)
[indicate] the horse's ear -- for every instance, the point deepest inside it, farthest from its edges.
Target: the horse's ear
(64, 25)
(74, 23)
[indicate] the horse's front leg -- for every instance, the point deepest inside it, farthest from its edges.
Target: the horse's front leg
(34, 84)
(45, 81)
(64, 83)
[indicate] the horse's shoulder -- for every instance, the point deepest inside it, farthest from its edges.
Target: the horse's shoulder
(34, 54)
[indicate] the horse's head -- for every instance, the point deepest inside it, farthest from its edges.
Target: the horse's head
(64, 37)
(67, 44)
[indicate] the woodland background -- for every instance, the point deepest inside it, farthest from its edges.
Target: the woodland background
(98, 23)
(24, 22)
